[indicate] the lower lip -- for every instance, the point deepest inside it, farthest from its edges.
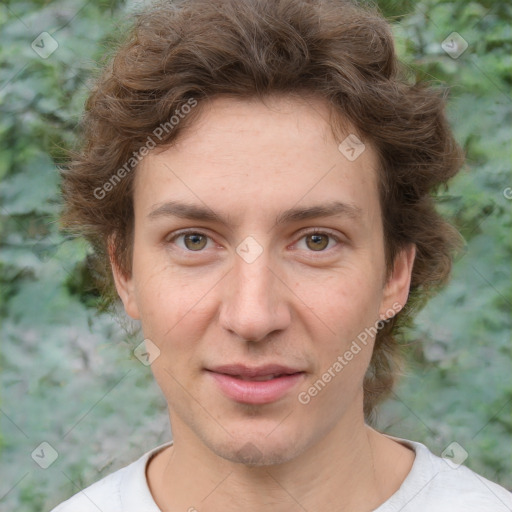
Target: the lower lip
(256, 392)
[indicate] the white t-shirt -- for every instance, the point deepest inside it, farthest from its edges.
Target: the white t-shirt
(432, 485)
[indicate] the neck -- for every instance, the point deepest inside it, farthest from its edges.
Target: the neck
(352, 468)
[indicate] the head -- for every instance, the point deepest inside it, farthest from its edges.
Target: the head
(247, 110)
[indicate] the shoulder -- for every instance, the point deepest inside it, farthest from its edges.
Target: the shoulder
(121, 491)
(467, 490)
(435, 483)
(103, 495)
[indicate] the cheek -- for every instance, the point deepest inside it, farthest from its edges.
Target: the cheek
(345, 303)
(343, 333)
(163, 295)
(335, 388)
(342, 358)
(172, 317)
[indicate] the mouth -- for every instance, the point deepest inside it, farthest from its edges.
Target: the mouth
(262, 378)
(255, 385)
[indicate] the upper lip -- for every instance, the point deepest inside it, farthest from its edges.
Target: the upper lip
(254, 371)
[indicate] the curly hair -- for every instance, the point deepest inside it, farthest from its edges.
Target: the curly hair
(184, 52)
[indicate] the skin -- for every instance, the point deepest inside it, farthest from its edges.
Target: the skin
(294, 304)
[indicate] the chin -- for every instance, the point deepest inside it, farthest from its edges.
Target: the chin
(256, 449)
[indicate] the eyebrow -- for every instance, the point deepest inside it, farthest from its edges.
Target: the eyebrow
(205, 214)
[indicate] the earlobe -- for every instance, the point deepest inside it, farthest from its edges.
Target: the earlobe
(124, 285)
(396, 290)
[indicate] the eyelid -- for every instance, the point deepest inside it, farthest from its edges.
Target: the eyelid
(301, 234)
(319, 231)
(187, 231)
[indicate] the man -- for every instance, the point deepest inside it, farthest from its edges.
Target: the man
(258, 177)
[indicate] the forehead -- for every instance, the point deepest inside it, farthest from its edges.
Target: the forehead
(250, 156)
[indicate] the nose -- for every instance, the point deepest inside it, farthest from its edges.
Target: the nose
(254, 300)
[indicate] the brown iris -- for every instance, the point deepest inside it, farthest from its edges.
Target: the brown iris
(197, 241)
(319, 241)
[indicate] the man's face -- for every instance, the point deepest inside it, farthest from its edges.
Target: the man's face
(243, 289)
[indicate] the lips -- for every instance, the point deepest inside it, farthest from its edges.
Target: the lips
(255, 385)
(256, 373)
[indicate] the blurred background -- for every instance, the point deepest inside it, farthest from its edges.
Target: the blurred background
(69, 376)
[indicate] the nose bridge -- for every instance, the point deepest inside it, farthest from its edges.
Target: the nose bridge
(254, 300)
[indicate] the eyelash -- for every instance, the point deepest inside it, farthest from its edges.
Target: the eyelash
(315, 231)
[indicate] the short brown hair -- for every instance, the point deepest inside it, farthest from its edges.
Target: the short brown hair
(196, 50)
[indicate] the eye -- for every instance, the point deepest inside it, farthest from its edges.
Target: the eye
(196, 241)
(318, 241)
(193, 241)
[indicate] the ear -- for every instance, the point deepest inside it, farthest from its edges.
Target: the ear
(396, 289)
(124, 284)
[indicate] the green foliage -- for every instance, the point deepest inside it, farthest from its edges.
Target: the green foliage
(66, 367)
(457, 384)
